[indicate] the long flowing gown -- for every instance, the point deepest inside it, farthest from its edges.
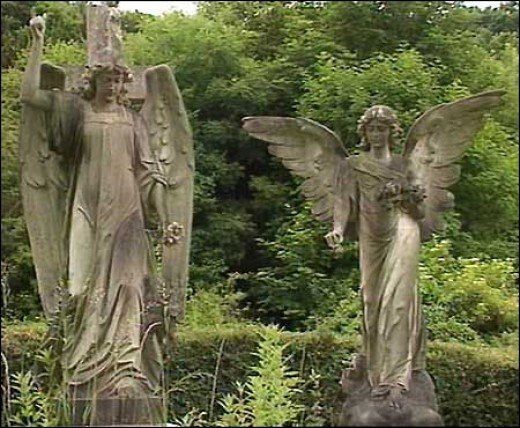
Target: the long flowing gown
(389, 244)
(113, 349)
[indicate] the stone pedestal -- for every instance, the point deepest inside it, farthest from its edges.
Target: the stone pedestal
(117, 412)
(419, 404)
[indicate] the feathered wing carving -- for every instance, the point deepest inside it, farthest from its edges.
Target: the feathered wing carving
(171, 141)
(435, 142)
(309, 150)
(44, 185)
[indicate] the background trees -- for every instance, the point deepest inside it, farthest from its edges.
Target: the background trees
(253, 233)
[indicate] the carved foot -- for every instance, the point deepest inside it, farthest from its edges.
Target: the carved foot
(393, 395)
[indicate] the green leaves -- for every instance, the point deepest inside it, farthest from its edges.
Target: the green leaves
(29, 406)
(326, 61)
(467, 299)
(269, 396)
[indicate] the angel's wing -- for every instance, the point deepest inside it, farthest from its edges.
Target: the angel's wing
(308, 149)
(435, 142)
(44, 185)
(171, 141)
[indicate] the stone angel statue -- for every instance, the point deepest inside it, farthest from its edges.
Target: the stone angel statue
(93, 173)
(390, 203)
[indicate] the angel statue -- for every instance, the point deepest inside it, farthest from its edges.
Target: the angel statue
(94, 173)
(389, 202)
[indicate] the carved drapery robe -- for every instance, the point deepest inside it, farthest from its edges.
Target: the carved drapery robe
(113, 343)
(389, 244)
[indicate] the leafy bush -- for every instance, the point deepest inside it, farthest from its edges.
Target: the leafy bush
(207, 307)
(467, 299)
(29, 405)
(268, 396)
(476, 385)
(306, 282)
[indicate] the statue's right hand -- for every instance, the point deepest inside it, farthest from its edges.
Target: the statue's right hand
(334, 240)
(37, 26)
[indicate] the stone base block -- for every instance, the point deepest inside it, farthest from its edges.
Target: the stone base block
(419, 403)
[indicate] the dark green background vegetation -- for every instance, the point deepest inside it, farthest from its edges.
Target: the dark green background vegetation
(257, 254)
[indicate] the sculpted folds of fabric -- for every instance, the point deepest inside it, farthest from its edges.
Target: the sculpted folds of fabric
(95, 174)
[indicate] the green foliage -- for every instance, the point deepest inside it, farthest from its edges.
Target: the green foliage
(14, 18)
(199, 49)
(490, 172)
(340, 91)
(476, 385)
(370, 27)
(467, 299)
(306, 282)
(268, 397)
(65, 53)
(206, 308)
(29, 406)
(253, 238)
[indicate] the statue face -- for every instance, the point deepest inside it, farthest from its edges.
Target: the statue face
(107, 85)
(377, 133)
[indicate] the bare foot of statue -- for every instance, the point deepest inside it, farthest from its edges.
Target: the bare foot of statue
(396, 397)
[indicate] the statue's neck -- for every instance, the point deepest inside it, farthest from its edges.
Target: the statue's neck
(103, 104)
(382, 154)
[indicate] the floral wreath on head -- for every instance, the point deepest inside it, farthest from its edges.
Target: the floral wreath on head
(384, 114)
(121, 72)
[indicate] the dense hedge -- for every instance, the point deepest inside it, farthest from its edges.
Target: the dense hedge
(477, 386)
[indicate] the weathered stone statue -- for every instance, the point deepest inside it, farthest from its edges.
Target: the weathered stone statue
(94, 171)
(389, 202)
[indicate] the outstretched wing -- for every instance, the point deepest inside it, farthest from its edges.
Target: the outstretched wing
(436, 141)
(44, 185)
(309, 150)
(171, 141)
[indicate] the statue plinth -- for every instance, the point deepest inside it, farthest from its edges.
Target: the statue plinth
(362, 409)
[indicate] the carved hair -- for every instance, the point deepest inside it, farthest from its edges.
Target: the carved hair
(387, 116)
(121, 73)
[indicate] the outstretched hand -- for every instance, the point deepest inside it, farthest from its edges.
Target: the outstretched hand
(334, 240)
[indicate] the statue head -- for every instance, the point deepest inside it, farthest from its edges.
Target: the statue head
(108, 81)
(379, 125)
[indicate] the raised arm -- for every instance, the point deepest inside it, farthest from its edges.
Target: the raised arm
(31, 92)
